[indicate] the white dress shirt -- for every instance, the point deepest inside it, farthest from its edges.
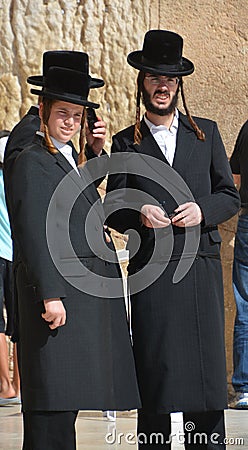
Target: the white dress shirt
(165, 138)
(65, 149)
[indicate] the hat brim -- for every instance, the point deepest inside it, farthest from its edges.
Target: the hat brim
(76, 99)
(39, 80)
(136, 60)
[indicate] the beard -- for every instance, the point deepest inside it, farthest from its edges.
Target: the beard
(147, 102)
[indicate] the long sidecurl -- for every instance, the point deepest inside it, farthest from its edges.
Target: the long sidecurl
(199, 133)
(137, 132)
(81, 155)
(47, 105)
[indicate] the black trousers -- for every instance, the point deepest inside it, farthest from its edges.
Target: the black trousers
(202, 430)
(49, 430)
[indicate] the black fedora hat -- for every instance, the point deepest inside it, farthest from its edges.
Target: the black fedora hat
(68, 59)
(162, 55)
(67, 85)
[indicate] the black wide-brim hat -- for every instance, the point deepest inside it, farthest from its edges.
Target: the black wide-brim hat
(161, 55)
(67, 85)
(69, 60)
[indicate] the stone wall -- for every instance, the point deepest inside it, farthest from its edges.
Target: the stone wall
(215, 34)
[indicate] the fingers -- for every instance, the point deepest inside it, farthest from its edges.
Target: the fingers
(107, 238)
(154, 217)
(55, 313)
(55, 321)
(99, 129)
(58, 322)
(188, 215)
(96, 138)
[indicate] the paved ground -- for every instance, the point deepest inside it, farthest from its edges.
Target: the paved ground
(96, 433)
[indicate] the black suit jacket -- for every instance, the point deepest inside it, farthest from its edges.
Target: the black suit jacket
(200, 173)
(177, 315)
(76, 366)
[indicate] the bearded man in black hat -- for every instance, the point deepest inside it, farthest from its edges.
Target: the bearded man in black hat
(74, 348)
(170, 181)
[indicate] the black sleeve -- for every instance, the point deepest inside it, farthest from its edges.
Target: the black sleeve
(223, 202)
(122, 212)
(97, 164)
(240, 151)
(31, 191)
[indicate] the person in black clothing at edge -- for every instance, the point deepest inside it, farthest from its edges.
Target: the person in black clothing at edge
(74, 348)
(170, 182)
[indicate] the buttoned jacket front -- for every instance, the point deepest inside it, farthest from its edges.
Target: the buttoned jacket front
(178, 328)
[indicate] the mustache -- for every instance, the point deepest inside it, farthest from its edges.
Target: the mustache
(147, 102)
(158, 91)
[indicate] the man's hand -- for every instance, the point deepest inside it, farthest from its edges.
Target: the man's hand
(96, 139)
(188, 215)
(55, 313)
(153, 217)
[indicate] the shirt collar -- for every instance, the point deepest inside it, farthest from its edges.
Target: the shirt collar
(63, 148)
(156, 128)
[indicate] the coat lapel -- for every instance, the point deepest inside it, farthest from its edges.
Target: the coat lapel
(83, 181)
(149, 145)
(185, 146)
(186, 141)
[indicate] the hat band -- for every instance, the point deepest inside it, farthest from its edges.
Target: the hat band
(155, 65)
(45, 91)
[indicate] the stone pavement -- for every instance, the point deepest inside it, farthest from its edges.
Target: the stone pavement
(94, 432)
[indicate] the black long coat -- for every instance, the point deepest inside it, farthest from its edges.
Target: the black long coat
(178, 327)
(87, 363)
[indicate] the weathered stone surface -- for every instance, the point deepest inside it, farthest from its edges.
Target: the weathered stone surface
(216, 40)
